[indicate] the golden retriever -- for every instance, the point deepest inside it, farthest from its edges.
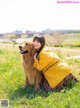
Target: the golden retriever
(33, 76)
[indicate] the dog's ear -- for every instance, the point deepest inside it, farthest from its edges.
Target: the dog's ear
(33, 51)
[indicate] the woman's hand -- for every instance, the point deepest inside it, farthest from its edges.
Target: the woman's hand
(35, 56)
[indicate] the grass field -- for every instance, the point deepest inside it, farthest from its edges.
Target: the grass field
(63, 39)
(12, 78)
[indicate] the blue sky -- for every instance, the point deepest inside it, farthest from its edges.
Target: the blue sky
(37, 15)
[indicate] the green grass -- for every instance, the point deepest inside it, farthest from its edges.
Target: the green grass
(12, 78)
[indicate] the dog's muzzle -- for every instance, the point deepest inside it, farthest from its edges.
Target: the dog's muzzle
(21, 51)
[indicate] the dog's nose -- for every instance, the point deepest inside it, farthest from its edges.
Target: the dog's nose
(19, 47)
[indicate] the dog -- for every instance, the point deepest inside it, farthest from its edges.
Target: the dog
(32, 75)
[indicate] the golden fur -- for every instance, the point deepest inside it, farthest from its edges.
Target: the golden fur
(33, 76)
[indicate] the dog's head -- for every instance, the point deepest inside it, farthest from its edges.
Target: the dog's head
(26, 47)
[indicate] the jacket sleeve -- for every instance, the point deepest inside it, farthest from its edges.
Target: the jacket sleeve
(46, 58)
(41, 63)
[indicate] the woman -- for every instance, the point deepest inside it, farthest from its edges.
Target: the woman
(56, 72)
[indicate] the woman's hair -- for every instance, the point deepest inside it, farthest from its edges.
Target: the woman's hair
(40, 39)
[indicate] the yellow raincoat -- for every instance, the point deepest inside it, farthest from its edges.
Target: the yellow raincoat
(53, 68)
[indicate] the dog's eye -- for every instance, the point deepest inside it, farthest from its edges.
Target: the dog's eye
(26, 44)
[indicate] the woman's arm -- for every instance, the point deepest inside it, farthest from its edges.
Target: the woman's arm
(42, 62)
(46, 58)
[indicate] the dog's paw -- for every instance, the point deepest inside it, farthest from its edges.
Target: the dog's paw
(37, 89)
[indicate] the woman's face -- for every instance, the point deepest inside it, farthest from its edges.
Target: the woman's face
(37, 45)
